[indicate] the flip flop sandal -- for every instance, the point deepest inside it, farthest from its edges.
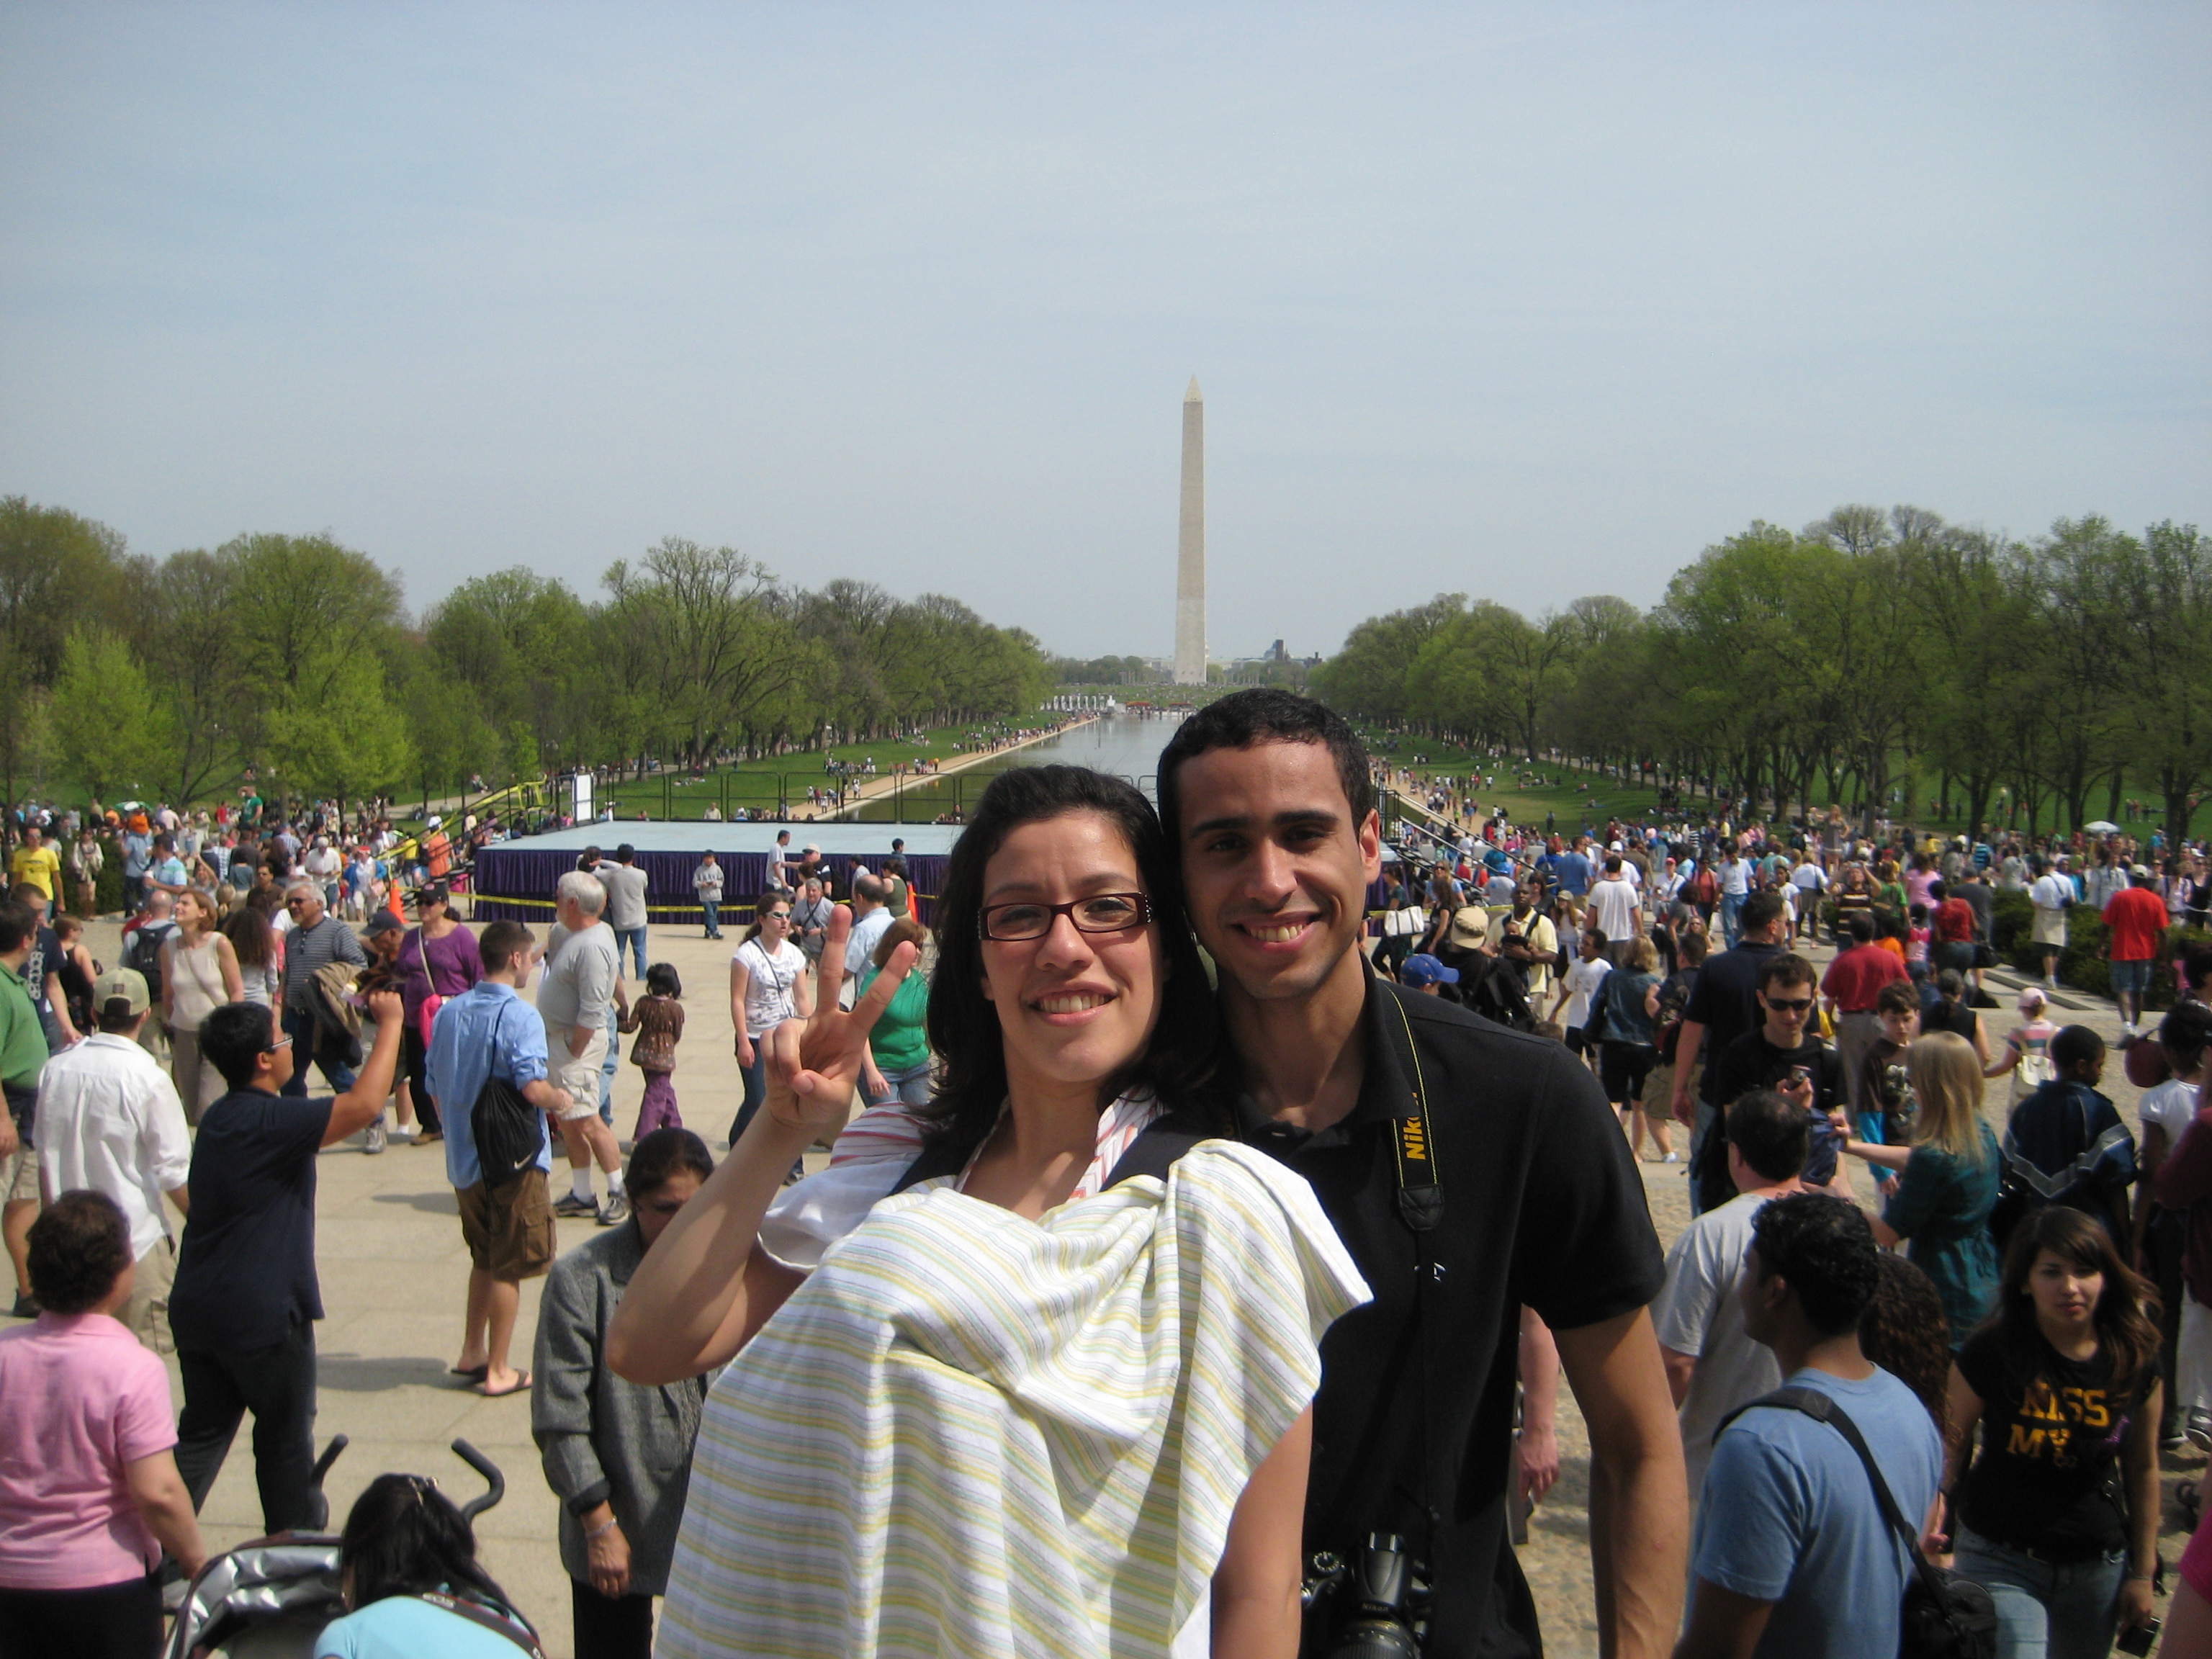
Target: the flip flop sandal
(472, 1373)
(521, 1386)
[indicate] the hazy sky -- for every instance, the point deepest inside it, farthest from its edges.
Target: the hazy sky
(1523, 302)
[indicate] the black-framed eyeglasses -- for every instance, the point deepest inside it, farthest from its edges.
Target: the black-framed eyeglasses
(1102, 912)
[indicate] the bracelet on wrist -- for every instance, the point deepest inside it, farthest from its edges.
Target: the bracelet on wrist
(601, 1530)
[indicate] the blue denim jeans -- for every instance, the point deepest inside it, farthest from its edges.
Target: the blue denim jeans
(1732, 916)
(910, 1086)
(714, 909)
(2044, 1611)
(635, 938)
(611, 1065)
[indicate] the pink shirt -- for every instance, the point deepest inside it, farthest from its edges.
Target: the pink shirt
(83, 1398)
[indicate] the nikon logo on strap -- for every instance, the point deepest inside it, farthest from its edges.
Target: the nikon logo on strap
(1413, 1139)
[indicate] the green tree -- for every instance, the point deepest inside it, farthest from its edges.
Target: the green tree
(108, 728)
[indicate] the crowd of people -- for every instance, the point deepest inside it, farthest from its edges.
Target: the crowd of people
(1203, 1235)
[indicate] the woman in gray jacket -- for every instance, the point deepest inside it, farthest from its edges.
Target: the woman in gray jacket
(618, 1456)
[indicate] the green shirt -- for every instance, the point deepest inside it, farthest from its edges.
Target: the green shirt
(899, 1041)
(22, 1039)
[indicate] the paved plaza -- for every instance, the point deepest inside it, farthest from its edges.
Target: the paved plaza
(394, 1274)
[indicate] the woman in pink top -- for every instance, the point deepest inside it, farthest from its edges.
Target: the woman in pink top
(89, 1491)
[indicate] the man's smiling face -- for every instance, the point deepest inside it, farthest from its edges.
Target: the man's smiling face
(1275, 871)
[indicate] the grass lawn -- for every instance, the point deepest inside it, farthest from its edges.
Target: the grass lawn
(1582, 800)
(758, 784)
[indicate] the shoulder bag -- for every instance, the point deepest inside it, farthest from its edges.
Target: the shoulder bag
(1944, 1616)
(426, 1018)
(507, 1128)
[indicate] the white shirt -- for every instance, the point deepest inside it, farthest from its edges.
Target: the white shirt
(1614, 903)
(867, 933)
(1698, 1314)
(1808, 876)
(109, 1120)
(2172, 1106)
(2051, 892)
(769, 979)
(1584, 979)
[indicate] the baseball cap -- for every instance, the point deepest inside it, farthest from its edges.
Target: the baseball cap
(2140, 871)
(1426, 969)
(384, 922)
(2030, 997)
(121, 985)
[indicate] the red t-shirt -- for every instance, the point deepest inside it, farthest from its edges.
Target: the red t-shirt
(2137, 918)
(1954, 923)
(1855, 978)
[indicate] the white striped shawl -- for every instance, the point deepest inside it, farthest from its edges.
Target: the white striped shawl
(971, 1434)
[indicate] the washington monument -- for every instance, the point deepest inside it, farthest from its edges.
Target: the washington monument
(1190, 545)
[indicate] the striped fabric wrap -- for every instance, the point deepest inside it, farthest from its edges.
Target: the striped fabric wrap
(971, 1433)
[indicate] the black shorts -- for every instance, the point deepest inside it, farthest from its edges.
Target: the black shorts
(1623, 1067)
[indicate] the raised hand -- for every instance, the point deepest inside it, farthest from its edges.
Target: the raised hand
(813, 1064)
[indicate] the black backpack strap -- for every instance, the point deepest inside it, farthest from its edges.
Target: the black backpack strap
(1823, 1408)
(940, 1157)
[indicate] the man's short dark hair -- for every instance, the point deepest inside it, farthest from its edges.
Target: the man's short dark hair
(626, 853)
(233, 1036)
(116, 1018)
(1824, 1249)
(77, 1247)
(1938, 891)
(2076, 1045)
(1860, 926)
(1770, 1133)
(1693, 947)
(1762, 909)
(18, 922)
(501, 943)
(1263, 714)
(1786, 969)
(1900, 996)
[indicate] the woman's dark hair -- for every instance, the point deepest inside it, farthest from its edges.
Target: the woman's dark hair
(2185, 1031)
(1951, 984)
(403, 1537)
(251, 937)
(2127, 1311)
(661, 980)
(761, 905)
(78, 1244)
(231, 1036)
(964, 1025)
(663, 1154)
(1904, 1331)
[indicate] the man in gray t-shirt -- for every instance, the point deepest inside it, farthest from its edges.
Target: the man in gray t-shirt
(583, 966)
(625, 884)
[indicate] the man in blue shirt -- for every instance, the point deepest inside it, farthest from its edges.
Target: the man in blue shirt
(488, 1031)
(1794, 1559)
(1574, 869)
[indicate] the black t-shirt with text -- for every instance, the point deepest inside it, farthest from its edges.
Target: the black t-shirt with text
(245, 1270)
(1542, 1204)
(2048, 1476)
(1751, 1062)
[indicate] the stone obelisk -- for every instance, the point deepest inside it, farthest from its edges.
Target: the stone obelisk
(1190, 545)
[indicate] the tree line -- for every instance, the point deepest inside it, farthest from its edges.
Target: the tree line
(296, 658)
(2045, 678)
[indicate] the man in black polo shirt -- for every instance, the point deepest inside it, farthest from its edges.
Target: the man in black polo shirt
(1268, 797)
(1723, 1004)
(246, 1296)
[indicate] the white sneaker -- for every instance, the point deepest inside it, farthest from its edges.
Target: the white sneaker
(1670, 1158)
(372, 1142)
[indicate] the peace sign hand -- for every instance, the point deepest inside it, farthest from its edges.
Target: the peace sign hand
(813, 1064)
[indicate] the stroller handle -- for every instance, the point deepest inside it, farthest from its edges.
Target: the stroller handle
(489, 1470)
(339, 1443)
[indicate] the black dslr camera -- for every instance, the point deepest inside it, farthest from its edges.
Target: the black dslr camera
(1382, 1601)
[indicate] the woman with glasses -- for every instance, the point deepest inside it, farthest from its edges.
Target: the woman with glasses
(1027, 1369)
(768, 986)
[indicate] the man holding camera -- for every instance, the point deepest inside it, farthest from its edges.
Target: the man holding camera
(1470, 1170)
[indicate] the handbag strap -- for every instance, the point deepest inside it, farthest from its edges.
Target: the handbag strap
(1823, 1408)
(484, 1617)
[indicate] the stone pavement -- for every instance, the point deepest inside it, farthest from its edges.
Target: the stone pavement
(394, 1274)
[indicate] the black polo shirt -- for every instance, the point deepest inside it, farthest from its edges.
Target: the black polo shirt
(245, 1271)
(1542, 1204)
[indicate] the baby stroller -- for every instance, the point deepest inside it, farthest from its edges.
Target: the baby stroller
(270, 1598)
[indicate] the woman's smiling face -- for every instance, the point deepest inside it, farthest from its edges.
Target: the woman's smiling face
(1073, 1007)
